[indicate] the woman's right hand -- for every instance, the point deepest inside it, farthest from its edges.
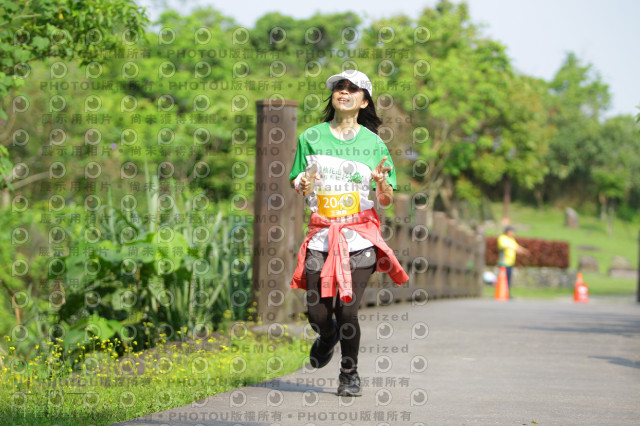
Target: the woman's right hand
(305, 185)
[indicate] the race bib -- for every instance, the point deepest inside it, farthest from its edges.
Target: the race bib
(338, 205)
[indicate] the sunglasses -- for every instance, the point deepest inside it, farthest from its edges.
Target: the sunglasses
(346, 84)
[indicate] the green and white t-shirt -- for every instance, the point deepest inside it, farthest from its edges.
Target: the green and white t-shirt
(344, 168)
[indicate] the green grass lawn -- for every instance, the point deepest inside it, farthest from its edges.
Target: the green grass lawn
(548, 224)
(110, 390)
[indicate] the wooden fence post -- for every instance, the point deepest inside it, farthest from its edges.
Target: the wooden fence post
(276, 210)
(479, 260)
(421, 269)
(440, 227)
(454, 257)
(432, 259)
(402, 242)
(638, 272)
(469, 260)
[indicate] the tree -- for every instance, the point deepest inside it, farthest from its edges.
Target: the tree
(517, 154)
(485, 124)
(579, 98)
(65, 29)
(460, 100)
(616, 167)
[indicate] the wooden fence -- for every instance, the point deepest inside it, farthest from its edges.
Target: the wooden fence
(443, 258)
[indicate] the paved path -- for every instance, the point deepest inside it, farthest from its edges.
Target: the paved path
(459, 362)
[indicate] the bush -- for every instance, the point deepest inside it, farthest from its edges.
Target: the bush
(126, 276)
(543, 252)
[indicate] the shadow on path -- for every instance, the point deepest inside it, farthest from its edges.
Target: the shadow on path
(619, 361)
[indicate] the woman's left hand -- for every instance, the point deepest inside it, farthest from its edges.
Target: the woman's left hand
(381, 173)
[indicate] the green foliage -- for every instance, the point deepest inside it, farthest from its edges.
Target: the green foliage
(133, 276)
(617, 158)
(579, 99)
(466, 191)
(179, 276)
(5, 167)
(83, 332)
(612, 183)
(64, 29)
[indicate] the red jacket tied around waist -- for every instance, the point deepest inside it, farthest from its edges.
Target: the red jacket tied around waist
(336, 269)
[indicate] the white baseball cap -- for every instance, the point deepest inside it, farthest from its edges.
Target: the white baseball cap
(358, 78)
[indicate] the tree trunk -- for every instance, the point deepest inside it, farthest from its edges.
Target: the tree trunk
(446, 195)
(603, 206)
(16, 309)
(539, 196)
(507, 199)
(612, 213)
(6, 199)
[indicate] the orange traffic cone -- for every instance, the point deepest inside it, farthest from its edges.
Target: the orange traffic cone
(502, 288)
(580, 290)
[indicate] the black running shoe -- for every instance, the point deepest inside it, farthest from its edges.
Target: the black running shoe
(322, 351)
(349, 384)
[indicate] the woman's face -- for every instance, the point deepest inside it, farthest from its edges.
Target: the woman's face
(347, 97)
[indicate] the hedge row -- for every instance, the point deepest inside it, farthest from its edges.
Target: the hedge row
(543, 252)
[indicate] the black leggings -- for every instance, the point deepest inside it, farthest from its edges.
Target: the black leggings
(321, 310)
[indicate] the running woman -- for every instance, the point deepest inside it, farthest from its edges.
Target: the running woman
(337, 164)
